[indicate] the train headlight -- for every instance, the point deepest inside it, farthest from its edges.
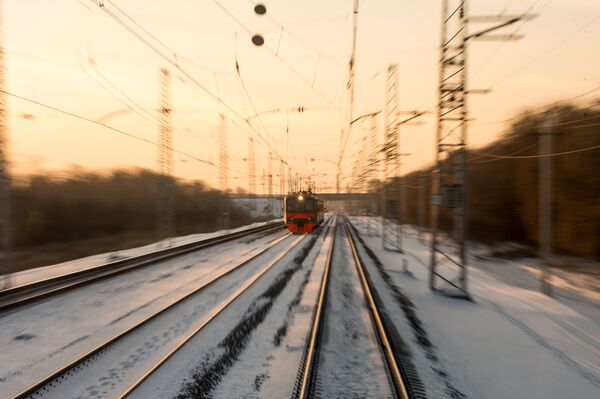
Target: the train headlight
(300, 197)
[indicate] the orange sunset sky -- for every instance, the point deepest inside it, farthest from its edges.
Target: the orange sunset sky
(72, 55)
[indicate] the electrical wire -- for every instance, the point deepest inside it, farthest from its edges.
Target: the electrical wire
(111, 128)
(547, 51)
(519, 151)
(501, 45)
(135, 108)
(241, 79)
(140, 26)
(319, 53)
(174, 62)
(132, 106)
(540, 108)
(273, 52)
(556, 154)
(531, 62)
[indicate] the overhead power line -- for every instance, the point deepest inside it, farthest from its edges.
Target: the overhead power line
(299, 39)
(274, 53)
(239, 75)
(111, 128)
(477, 155)
(555, 154)
(171, 58)
(130, 103)
(501, 46)
(540, 108)
(547, 51)
(126, 100)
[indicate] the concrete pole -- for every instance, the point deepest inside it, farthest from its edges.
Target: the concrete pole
(545, 202)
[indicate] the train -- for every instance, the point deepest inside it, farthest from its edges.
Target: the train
(303, 212)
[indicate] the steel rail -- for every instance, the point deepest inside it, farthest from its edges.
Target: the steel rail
(317, 323)
(384, 342)
(62, 371)
(308, 371)
(212, 316)
(22, 295)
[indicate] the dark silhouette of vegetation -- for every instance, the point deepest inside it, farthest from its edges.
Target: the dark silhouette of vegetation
(503, 193)
(92, 206)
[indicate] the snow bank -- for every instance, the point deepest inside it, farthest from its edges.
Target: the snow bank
(511, 341)
(44, 272)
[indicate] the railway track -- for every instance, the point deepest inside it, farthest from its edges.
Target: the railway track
(69, 380)
(307, 385)
(26, 294)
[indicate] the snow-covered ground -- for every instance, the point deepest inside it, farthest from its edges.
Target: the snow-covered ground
(229, 357)
(511, 341)
(38, 339)
(342, 372)
(44, 272)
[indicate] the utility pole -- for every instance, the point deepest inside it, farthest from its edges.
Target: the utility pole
(363, 177)
(449, 179)
(281, 176)
(223, 154)
(252, 172)
(223, 166)
(166, 209)
(422, 206)
(281, 186)
(373, 176)
(364, 164)
(270, 182)
(403, 201)
(545, 202)
(391, 164)
(5, 242)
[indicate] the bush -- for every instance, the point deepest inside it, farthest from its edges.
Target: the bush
(83, 206)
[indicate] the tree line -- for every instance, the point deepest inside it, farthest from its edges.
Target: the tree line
(86, 205)
(503, 192)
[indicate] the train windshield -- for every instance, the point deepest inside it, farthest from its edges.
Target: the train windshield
(295, 204)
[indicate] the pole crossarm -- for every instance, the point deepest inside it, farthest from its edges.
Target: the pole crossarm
(370, 114)
(506, 21)
(500, 18)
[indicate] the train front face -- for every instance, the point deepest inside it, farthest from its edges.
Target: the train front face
(300, 213)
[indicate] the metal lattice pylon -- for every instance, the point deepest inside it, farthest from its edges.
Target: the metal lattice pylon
(449, 181)
(166, 208)
(391, 227)
(448, 256)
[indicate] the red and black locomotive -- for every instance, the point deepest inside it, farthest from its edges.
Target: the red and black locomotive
(303, 212)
